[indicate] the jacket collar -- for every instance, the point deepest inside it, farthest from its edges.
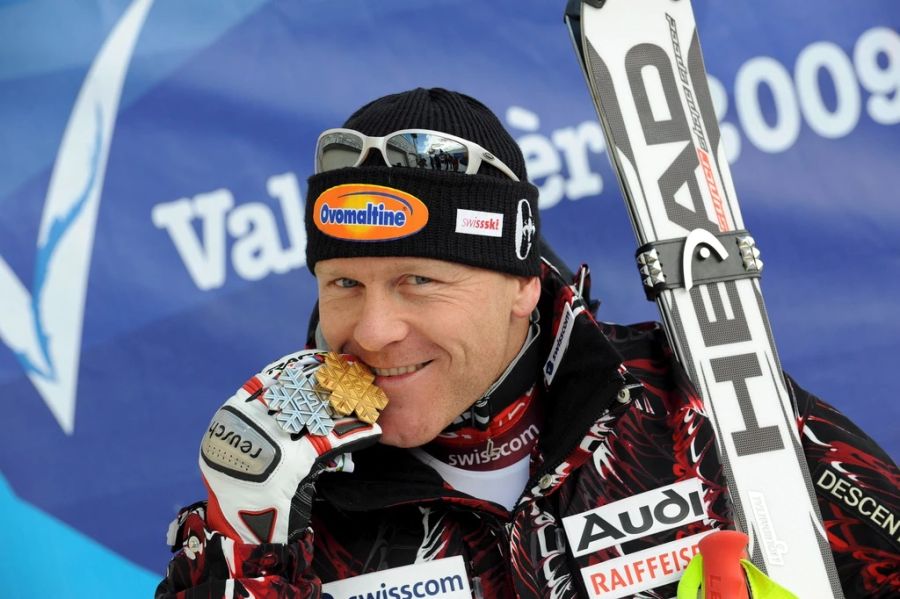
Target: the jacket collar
(586, 380)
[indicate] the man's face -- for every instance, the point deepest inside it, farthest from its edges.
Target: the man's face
(437, 334)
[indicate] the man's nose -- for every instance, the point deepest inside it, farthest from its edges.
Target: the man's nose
(381, 322)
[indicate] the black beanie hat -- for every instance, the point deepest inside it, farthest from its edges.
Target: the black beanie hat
(485, 219)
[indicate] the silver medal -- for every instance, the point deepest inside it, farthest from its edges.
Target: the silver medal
(299, 402)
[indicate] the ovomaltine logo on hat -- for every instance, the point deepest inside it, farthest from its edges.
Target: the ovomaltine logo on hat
(357, 212)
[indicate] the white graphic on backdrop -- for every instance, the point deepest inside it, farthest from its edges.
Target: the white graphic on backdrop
(560, 162)
(800, 97)
(43, 327)
(563, 163)
(257, 250)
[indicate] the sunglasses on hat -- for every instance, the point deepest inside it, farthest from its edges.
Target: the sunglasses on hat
(409, 148)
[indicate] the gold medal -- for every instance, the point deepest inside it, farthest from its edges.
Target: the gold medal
(351, 387)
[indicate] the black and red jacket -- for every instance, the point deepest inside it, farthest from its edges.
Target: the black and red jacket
(604, 439)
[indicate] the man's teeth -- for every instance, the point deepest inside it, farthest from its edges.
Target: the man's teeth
(398, 371)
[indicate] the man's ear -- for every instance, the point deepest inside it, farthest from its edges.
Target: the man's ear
(528, 293)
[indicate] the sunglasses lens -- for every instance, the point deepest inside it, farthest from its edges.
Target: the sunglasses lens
(427, 151)
(337, 150)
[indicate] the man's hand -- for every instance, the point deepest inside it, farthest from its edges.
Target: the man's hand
(266, 446)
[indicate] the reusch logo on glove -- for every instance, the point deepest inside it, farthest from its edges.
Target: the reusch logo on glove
(238, 447)
(357, 212)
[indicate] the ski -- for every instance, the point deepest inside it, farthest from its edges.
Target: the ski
(645, 72)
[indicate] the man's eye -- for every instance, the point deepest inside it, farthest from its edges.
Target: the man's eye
(418, 279)
(346, 283)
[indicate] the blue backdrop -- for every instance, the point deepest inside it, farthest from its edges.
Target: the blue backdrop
(154, 157)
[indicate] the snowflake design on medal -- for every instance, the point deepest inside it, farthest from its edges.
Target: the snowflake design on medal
(299, 402)
(352, 389)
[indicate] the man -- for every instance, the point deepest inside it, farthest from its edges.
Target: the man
(508, 407)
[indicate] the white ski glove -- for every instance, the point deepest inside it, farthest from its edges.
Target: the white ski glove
(269, 442)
